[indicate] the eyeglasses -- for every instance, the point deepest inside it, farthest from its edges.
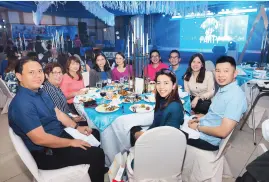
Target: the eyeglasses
(57, 73)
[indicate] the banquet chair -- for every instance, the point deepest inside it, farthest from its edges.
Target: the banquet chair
(86, 78)
(158, 156)
(78, 173)
(209, 66)
(206, 166)
(8, 94)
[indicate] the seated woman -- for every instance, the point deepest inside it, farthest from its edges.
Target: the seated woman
(121, 70)
(9, 75)
(155, 65)
(72, 82)
(199, 83)
(168, 108)
(101, 70)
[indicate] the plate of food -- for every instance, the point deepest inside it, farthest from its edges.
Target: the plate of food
(149, 98)
(141, 108)
(115, 96)
(123, 92)
(85, 99)
(106, 108)
(131, 99)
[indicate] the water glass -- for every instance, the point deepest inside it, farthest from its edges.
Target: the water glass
(109, 81)
(99, 84)
(122, 80)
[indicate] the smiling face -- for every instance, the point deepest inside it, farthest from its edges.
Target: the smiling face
(164, 85)
(155, 58)
(196, 64)
(174, 59)
(32, 75)
(101, 61)
(55, 77)
(225, 74)
(74, 66)
(119, 60)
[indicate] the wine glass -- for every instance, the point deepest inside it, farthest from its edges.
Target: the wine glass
(122, 80)
(104, 83)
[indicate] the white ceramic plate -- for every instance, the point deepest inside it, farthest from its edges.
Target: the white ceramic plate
(114, 97)
(102, 109)
(150, 98)
(138, 109)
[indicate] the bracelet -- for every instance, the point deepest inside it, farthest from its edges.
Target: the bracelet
(76, 126)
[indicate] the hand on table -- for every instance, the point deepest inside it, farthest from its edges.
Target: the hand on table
(84, 130)
(79, 143)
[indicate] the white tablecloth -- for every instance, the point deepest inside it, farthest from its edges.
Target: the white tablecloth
(116, 137)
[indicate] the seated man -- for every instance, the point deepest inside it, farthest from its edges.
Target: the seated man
(33, 116)
(174, 59)
(226, 109)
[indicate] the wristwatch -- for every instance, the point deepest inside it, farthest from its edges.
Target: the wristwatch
(198, 127)
(76, 126)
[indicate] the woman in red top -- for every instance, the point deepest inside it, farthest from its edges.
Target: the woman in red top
(72, 82)
(155, 65)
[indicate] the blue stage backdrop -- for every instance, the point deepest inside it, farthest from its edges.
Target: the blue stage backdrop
(202, 34)
(46, 32)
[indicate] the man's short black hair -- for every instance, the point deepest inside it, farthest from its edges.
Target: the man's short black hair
(24, 60)
(226, 59)
(174, 51)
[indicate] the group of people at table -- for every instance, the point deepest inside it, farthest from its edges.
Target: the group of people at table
(39, 114)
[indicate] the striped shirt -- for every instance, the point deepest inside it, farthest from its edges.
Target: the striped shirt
(57, 96)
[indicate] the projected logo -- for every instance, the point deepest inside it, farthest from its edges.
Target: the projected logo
(210, 25)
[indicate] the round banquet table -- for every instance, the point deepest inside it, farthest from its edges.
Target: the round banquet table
(115, 127)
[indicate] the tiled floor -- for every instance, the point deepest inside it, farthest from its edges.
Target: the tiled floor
(239, 155)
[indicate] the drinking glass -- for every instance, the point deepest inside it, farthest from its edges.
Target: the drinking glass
(99, 84)
(121, 80)
(109, 81)
(104, 83)
(126, 79)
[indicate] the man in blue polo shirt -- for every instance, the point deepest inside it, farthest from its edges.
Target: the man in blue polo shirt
(226, 109)
(33, 116)
(174, 59)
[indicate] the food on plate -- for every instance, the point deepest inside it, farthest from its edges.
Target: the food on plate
(111, 108)
(84, 99)
(147, 108)
(130, 99)
(143, 106)
(123, 92)
(259, 68)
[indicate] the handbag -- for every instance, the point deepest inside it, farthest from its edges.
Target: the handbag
(202, 106)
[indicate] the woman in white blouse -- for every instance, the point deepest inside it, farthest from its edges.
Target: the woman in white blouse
(199, 83)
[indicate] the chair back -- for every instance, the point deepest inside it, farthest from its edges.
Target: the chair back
(24, 153)
(86, 78)
(222, 145)
(209, 66)
(159, 154)
(5, 89)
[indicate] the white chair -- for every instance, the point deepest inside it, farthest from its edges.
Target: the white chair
(206, 166)
(158, 156)
(8, 94)
(209, 66)
(86, 78)
(77, 173)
